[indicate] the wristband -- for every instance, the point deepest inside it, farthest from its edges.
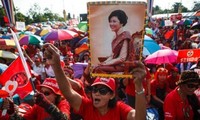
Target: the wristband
(140, 92)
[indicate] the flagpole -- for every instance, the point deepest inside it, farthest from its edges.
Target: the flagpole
(23, 60)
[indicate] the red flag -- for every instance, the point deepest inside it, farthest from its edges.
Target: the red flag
(16, 72)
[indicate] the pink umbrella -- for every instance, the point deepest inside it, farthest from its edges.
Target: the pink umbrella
(59, 34)
(162, 56)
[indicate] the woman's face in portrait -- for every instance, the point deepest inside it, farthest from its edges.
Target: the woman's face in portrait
(115, 24)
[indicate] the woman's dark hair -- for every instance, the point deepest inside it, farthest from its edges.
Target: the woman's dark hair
(193, 101)
(121, 15)
(112, 103)
(189, 76)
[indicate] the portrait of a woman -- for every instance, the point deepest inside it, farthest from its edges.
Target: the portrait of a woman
(121, 47)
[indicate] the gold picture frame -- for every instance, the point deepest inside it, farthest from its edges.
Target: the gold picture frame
(105, 41)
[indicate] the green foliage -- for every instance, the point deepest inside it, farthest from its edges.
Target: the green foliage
(33, 16)
(175, 7)
(196, 6)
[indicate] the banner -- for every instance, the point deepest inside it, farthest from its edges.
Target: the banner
(9, 10)
(168, 23)
(188, 55)
(16, 72)
(20, 26)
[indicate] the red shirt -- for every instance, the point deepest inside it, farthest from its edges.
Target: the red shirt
(89, 112)
(155, 85)
(63, 50)
(130, 88)
(81, 91)
(174, 107)
(38, 113)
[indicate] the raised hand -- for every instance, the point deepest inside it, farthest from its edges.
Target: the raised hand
(52, 54)
(8, 104)
(139, 72)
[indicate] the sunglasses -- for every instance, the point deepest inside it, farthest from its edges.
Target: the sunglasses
(46, 93)
(102, 90)
(192, 86)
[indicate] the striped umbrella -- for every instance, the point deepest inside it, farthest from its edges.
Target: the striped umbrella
(7, 43)
(29, 39)
(7, 54)
(42, 32)
(59, 34)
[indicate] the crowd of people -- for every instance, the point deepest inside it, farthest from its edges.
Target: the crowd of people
(172, 89)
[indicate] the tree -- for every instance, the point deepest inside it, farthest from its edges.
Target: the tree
(28, 20)
(39, 18)
(34, 10)
(196, 6)
(157, 10)
(176, 6)
(48, 14)
(20, 17)
(2, 14)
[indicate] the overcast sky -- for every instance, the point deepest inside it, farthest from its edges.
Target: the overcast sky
(79, 6)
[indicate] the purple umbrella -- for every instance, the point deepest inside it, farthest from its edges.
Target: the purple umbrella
(59, 35)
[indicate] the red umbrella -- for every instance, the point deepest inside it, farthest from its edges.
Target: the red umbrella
(59, 35)
(162, 56)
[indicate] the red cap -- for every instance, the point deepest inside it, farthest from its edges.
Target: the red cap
(51, 84)
(109, 82)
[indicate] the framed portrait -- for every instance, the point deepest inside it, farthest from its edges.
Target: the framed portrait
(116, 36)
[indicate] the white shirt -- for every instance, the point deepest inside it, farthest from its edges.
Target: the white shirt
(49, 72)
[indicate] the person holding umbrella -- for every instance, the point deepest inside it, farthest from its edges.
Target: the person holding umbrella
(103, 105)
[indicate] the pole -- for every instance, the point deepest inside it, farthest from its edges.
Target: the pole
(23, 59)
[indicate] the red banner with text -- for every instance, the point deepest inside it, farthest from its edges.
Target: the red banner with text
(188, 55)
